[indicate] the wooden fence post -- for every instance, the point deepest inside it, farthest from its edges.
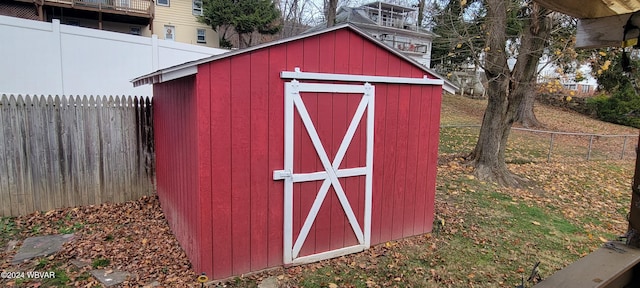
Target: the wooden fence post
(550, 147)
(589, 149)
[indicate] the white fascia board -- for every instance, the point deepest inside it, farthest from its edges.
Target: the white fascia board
(146, 79)
(165, 75)
(450, 88)
(178, 73)
(299, 75)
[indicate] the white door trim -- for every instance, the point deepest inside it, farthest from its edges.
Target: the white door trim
(331, 171)
(299, 75)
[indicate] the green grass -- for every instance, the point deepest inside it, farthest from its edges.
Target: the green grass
(61, 279)
(456, 140)
(70, 229)
(43, 262)
(100, 262)
(521, 147)
(324, 276)
(8, 230)
(498, 230)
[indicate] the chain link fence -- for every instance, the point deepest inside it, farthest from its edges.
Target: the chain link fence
(530, 145)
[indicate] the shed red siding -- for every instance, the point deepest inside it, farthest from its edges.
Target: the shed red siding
(174, 116)
(220, 137)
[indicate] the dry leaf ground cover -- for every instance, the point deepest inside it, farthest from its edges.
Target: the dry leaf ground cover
(490, 238)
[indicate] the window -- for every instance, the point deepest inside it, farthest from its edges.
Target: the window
(197, 7)
(202, 33)
(134, 30)
(162, 2)
(585, 89)
(123, 3)
(169, 32)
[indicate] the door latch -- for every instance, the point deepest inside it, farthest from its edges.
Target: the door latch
(282, 174)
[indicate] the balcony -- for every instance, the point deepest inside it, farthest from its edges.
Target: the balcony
(391, 15)
(139, 8)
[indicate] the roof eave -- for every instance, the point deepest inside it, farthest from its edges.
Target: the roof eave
(165, 75)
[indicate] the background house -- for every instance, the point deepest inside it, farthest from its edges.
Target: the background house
(584, 89)
(393, 24)
(470, 81)
(171, 20)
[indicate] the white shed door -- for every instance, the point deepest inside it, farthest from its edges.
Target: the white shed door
(330, 173)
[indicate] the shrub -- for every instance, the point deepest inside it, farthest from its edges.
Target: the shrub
(622, 107)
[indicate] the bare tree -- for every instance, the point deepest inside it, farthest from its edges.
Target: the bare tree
(421, 4)
(560, 31)
(331, 6)
(295, 17)
(506, 89)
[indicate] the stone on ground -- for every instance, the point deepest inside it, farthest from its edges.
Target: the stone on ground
(269, 282)
(11, 245)
(79, 263)
(33, 247)
(152, 284)
(109, 278)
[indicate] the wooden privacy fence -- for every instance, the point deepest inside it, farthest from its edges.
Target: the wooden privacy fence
(72, 151)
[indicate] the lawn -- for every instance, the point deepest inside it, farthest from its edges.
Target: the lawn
(490, 237)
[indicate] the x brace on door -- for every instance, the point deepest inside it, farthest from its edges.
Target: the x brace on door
(331, 173)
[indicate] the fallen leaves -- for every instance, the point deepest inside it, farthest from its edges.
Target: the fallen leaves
(110, 237)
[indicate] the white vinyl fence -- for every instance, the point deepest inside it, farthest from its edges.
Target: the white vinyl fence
(42, 58)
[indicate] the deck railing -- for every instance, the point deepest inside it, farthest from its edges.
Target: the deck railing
(125, 6)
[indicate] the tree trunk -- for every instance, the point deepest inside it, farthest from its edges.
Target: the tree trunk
(244, 40)
(506, 91)
(331, 8)
(421, 12)
(488, 155)
(536, 33)
(525, 114)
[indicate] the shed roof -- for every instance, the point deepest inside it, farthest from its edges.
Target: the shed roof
(191, 68)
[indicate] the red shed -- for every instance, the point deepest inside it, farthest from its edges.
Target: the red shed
(294, 151)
